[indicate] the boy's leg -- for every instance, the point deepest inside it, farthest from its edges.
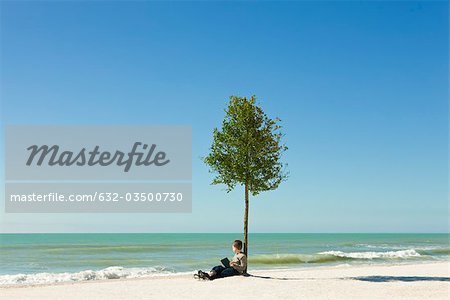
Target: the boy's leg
(216, 271)
(226, 272)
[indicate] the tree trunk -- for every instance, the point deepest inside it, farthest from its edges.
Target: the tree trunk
(246, 223)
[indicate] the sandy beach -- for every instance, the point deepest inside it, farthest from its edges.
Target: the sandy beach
(412, 281)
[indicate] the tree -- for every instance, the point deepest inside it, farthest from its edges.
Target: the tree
(247, 152)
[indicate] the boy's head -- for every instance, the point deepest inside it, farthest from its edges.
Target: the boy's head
(237, 246)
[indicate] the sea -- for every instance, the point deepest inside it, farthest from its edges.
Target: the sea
(32, 259)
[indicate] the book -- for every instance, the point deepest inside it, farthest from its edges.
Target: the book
(225, 262)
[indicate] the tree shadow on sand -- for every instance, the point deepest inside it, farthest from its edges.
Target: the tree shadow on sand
(363, 278)
(276, 278)
(399, 278)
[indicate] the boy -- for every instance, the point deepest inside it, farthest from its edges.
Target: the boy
(238, 265)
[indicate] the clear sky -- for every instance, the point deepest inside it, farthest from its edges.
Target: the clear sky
(361, 88)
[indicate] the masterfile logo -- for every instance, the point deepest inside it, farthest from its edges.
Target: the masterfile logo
(100, 152)
(53, 156)
(100, 168)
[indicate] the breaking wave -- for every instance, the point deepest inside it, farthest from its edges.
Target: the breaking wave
(330, 256)
(115, 272)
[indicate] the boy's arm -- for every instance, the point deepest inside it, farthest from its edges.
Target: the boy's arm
(242, 265)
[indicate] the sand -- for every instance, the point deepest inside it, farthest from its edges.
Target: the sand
(412, 281)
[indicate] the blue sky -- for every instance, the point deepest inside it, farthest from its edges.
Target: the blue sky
(361, 88)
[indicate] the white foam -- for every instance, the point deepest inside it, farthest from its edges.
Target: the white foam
(114, 272)
(372, 255)
(396, 247)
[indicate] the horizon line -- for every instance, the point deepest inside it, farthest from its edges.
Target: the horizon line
(224, 233)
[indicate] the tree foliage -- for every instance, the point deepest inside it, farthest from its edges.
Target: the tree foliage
(247, 150)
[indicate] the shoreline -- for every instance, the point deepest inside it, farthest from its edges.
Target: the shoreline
(400, 281)
(189, 274)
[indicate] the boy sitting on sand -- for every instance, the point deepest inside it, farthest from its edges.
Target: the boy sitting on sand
(238, 265)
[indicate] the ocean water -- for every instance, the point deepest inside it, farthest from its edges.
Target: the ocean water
(27, 259)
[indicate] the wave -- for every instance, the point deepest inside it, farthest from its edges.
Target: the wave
(285, 259)
(330, 256)
(115, 272)
(422, 250)
(434, 251)
(372, 254)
